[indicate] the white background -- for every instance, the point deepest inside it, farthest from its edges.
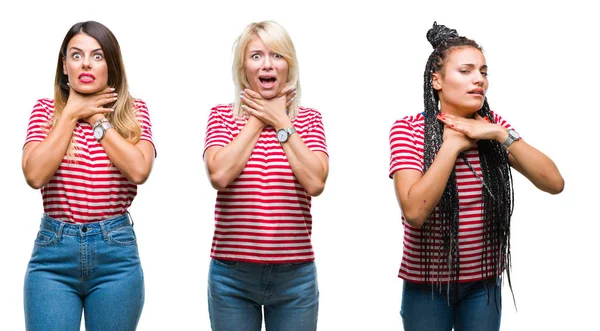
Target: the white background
(362, 66)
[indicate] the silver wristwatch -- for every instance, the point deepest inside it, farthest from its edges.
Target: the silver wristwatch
(284, 134)
(100, 128)
(512, 137)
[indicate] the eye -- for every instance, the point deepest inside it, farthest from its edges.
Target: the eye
(484, 73)
(98, 57)
(255, 56)
(76, 56)
(277, 56)
(464, 71)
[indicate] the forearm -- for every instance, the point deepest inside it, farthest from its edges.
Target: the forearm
(424, 195)
(40, 161)
(308, 168)
(536, 166)
(226, 164)
(129, 158)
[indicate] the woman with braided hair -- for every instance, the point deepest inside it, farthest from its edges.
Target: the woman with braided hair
(451, 166)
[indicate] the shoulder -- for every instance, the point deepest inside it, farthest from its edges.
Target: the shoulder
(413, 122)
(45, 106)
(223, 109)
(140, 104)
(306, 114)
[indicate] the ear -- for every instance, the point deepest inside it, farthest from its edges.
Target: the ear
(64, 66)
(436, 81)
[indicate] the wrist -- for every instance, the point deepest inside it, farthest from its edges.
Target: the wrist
(283, 123)
(501, 134)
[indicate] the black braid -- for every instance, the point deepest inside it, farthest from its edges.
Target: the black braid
(439, 234)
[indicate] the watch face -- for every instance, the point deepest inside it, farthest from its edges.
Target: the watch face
(513, 134)
(98, 132)
(282, 135)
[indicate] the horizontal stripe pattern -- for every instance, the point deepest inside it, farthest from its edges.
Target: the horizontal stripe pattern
(407, 153)
(85, 187)
(264, 216)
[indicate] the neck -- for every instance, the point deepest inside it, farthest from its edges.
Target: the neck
(456, 111)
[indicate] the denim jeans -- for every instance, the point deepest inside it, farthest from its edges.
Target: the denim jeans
(94, 267)
(471, 309)
(288, 292)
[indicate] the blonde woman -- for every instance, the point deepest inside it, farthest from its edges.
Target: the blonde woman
(267, 157)
(86, 150)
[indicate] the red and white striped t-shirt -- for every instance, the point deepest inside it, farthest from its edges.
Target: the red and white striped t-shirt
(406, 149)
(86, 187)
(264, 216)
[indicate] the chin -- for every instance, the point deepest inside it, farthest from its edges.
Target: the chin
(270, 94)
(86, 89)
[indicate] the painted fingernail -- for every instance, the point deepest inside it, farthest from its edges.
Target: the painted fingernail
(112, 88)
(292, 99)
(452, 125)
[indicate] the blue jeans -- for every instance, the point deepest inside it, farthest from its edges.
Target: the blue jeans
(471, 309)
(94, 267)
(288, 292)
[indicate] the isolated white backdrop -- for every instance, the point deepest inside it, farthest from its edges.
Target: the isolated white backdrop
(361, 65)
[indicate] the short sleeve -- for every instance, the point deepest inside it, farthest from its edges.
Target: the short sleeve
(404, 148)
(314, 138)
(217, 133)
(498, 119)
(143, 117)
(39, 121)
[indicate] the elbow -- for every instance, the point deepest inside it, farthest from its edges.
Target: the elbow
(316, 189)
(557, 187)
(139, 178)
(35, 183)
(414, 218)
(218, 181)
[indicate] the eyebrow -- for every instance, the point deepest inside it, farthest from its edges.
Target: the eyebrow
(81, 50)
(471, 65)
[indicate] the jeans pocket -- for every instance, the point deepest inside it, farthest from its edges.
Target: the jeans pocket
(123, 236)
(229, 264)
(45, 237)
(300, 265)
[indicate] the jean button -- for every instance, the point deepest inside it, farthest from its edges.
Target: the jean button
(84, 229)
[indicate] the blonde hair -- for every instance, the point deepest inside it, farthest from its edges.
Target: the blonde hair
(123, 119)
(276, 39)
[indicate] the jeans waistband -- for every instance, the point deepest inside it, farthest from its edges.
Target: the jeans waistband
(84, 229)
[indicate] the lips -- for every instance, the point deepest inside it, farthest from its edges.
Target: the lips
(86, 78)
(477, 91)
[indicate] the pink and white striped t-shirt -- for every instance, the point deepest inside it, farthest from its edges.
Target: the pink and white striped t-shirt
(406, 149)
(264, 216)
(86, 187)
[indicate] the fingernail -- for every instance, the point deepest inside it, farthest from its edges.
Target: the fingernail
(112, 88)
(452, 125)
(115, 99)
(292, 99)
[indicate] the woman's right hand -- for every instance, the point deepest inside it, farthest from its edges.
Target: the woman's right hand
(84, 106)
(459, 141)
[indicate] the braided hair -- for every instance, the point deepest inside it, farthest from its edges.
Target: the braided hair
(439, 234)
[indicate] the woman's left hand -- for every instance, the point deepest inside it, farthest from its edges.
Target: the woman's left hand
(476, 128)
(271, 111)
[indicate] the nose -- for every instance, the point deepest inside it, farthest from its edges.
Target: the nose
(479, 79)
(86, 63)
(267, 63)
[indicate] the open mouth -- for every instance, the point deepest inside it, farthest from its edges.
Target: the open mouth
(267, 81)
